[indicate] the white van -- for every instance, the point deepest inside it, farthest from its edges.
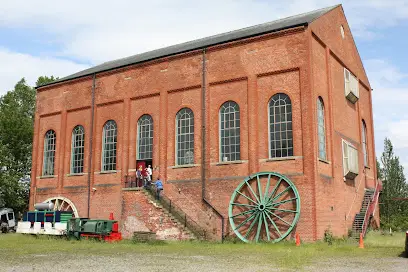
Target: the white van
(7, 220)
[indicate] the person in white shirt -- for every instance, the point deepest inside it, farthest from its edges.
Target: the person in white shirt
(149, 172)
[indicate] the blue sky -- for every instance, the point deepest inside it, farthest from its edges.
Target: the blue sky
(38, 37)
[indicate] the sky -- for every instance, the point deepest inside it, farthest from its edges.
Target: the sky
(39, 37)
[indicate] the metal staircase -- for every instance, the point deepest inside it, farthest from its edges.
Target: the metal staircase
(363, 218)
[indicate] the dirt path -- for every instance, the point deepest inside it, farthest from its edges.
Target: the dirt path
(174, 262)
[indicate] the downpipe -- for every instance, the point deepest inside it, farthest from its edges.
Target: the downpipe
(203, 144)
(90, 143)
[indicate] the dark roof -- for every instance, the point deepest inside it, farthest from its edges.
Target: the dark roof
(277, 25)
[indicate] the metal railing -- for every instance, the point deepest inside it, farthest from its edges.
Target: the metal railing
(179, 214)
(370, 209)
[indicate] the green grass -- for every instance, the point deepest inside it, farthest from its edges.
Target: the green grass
(15, 247)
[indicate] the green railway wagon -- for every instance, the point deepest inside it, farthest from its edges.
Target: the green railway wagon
(84, 227)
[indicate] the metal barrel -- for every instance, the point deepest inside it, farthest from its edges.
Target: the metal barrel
(44, 206)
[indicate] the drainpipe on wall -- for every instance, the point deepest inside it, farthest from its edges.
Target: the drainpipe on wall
(203, 145)
(90, 142)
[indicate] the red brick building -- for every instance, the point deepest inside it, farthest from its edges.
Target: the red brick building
(169, 107)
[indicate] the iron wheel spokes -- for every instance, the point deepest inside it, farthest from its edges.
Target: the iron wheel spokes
(264, 207)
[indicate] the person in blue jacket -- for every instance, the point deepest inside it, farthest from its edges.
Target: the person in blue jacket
(159, 187)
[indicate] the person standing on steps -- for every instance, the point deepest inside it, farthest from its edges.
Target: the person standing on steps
(159, 187)
(139, 177)
(149, 172)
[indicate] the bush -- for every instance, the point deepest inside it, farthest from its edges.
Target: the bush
(328, 236)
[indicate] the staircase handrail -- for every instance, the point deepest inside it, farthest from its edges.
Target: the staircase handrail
(177, 212)
(355, 197)
(197, 207)
(370, 208)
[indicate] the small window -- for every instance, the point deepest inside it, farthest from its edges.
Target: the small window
(77, 150)
(230, 143)
(321, 131)
(185, 137)
(351, 86)
(350, 160)
(3, 218)
(109, 141)
(10, 216)
(49, 153)
(364, 142)
(342, 31)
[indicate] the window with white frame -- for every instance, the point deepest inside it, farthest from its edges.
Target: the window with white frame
(280, 126)
(350, 160)
(145, 138)
(350, 86)
(49, 153)
(77, 150)
(109, 141)
(364, 141)
(185, 137)
(230, 143)
(321, 131)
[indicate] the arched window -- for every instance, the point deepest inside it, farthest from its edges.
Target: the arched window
(321, 131)
(365, 145)
(280, 126)
(145, 138)
(109, 140)
(230, 148)
(77, 150)
(185, 137)
(49, 153)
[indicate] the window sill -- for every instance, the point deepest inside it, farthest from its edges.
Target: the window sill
(281, 159)
(184, 166)
(324, 161)
(230, 162)
(48, 177)
(76, 174)
(107, 172)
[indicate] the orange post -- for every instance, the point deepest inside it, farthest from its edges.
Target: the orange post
(297, 239)
(361, 244)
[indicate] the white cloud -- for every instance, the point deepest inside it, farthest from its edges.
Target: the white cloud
(390, 100)
(16, 65)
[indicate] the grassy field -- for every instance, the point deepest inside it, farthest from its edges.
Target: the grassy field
(15, 249)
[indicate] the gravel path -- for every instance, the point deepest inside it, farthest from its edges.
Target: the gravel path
(173, 262)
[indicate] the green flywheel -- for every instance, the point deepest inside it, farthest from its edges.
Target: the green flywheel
(264, 207)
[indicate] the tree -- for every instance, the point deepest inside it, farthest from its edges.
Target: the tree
(394, 186)
(17, 108)
(45, 80)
